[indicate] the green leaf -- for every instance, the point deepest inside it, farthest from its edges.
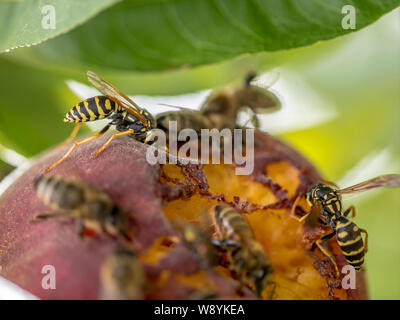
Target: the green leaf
(25, 23)
(161, 35)
(366, 99)
(5, 169)
(32, 107)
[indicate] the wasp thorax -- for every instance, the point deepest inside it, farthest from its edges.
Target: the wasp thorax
(222, 103)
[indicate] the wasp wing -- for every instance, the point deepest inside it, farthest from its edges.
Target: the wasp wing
(329, 183)
(261, 100)
(176, 107)
(385, 181)
(265, 81)
(116, 95)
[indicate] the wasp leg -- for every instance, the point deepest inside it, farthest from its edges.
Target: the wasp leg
(111, 138)
(149, 140)
(270, 291)
(77, 143)
(72, 135)
(326, 252)
(253, 119)
(327, 237)
(50, 215)
(128, 235)
(80, 227)
(322, 222)
(149, 136)
(366, 240)
(352, 210)
(293, 214)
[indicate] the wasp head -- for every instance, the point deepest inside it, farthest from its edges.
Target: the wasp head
(150, 120)
(310, 196)
(319, 193)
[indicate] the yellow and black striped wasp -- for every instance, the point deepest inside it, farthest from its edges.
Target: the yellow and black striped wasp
(326, 206)
(90, 207)
(219, 111)
(221, 108)
(127, 117)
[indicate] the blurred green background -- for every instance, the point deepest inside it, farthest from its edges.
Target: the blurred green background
(360, 76)
(349, 86)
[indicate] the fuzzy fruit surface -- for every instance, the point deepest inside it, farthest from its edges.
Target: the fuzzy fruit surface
(158, 208)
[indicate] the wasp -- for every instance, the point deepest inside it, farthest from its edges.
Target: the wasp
(200, 243)
(222, 106)
(248, 259)
(122, 276)
(326, 204)
(219, 111)
(90, 207)
(127, 117)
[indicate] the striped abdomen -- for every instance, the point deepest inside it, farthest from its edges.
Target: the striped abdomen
(350, 241)
(91, 109)
(59, 193)
(231, 224)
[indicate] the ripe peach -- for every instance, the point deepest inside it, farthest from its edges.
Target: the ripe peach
(159, 200)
